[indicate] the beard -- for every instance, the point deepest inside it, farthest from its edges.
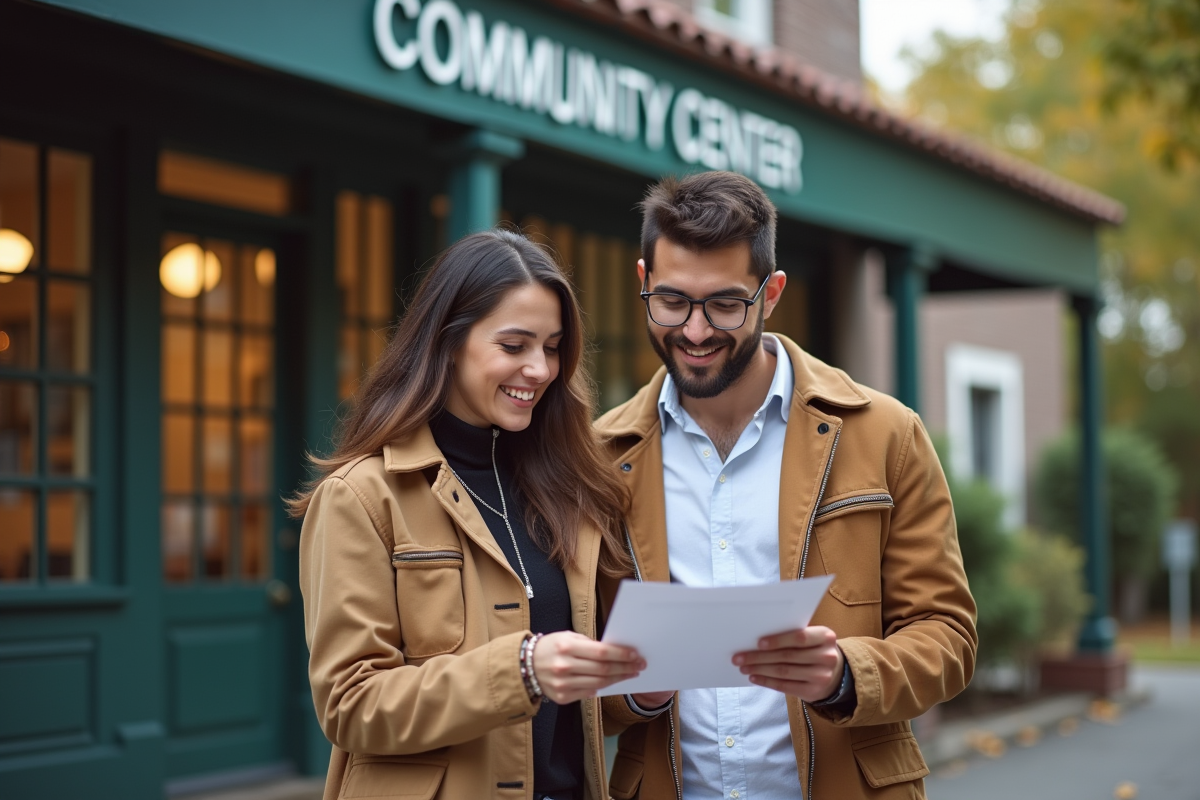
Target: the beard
(697, 383)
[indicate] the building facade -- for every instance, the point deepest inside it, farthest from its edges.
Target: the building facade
(210, 213)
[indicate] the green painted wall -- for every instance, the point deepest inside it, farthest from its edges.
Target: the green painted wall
(853, 180)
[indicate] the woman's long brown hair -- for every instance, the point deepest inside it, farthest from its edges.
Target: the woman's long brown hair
(560, 470)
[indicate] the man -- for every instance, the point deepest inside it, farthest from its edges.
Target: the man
(750, 461)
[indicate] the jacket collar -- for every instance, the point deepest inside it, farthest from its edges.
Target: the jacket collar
(813, 378)
(415, 452)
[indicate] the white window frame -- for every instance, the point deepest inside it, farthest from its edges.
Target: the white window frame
(969, 367)
(753, 24)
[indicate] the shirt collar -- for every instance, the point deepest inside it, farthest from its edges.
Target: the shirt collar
(782, 385)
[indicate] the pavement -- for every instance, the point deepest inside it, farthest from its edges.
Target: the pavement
(1142, 751)
(1145, 746)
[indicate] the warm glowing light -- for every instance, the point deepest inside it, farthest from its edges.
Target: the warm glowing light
(4, 341)
(6, 278)
(15, 251)
(264, 267)
(187, 269)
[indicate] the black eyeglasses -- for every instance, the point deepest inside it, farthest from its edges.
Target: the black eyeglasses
(670, 309)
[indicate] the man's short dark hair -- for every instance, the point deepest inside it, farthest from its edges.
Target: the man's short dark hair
(708, 211)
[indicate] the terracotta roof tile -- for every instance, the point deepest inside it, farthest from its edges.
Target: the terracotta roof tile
(674, 27)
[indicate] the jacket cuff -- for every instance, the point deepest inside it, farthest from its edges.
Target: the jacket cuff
(505, 686)
(864, 677)
(647, 713)
(618, 715)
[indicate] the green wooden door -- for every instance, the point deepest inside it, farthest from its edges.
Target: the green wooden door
(225, 596)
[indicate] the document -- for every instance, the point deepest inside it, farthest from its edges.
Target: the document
(688, 635)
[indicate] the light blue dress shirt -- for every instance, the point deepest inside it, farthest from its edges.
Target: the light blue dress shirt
(723, 530)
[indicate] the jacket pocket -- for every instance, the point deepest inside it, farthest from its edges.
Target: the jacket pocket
(848, 531)
(429, 599)
(890, 759)
(626, 776)
(388, 777)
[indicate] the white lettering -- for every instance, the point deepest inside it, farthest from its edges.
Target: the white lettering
(574, 87)
(483, 56)
(683, 128)
(393, 54)
(442, 71)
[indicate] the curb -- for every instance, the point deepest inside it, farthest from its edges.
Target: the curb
(991, 735)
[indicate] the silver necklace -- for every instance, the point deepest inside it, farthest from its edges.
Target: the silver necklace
(501, 514)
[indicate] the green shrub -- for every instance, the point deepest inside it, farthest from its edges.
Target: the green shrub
(1051, 568)
(1141, 489)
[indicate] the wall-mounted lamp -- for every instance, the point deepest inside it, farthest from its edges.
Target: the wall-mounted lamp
(15, 254)
(188, 269)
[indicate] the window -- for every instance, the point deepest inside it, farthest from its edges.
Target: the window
(218, 396)
(46, 380)
(366, 280)
(747, 20)
(985, 421)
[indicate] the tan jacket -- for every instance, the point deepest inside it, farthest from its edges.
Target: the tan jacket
(878, 516)
(414, 621)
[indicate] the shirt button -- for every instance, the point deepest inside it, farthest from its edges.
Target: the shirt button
(729, 741)
(722, 544)
(734, 794)
(707, 452)
(721, 479)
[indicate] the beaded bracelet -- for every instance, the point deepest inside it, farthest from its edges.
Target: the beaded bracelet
(528, 677)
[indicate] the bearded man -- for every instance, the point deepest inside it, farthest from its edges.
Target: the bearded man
(750, 461)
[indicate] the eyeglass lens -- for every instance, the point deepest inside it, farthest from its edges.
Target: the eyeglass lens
(672, 310)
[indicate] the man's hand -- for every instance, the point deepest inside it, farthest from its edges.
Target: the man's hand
(806, 663)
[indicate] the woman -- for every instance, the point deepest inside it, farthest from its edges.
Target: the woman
(450, 550)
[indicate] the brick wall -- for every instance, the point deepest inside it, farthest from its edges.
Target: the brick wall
(823, 33)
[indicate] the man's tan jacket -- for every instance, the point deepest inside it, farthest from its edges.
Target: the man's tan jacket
(414, 620)
(863, 497)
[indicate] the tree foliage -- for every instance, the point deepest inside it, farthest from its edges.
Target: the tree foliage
(1040, 92)
(1153, 53)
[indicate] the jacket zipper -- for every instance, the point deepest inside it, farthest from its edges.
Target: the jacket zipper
(427, 555)
(637, 572)
(864, 499)
(812, 738)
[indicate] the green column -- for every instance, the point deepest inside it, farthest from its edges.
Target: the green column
(1099, 631)
(477, 159)
(907, 275)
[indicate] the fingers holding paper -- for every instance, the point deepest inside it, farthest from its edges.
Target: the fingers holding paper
(570, 666)
(806, 663)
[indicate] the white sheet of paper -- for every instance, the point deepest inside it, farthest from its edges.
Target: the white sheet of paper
(688, 635)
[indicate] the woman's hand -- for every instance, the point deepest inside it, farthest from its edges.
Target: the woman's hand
(569, 666)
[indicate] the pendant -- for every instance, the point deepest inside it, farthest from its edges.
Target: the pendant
(529, 591)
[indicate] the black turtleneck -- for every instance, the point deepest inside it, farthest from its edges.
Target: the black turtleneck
(557, 730)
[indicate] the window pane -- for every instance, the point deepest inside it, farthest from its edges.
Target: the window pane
(255, 454)
(67, 536)
(68, 423)
(69, 208)
(256, 557)
(68, 326)
(179, 364)
(349, 361)
(218, 368)
(257, 271)
(181, 274)
(223, 183)
(380, 280)
(18, 323)
(19, 197)
(215, 538)
(179, 453)
(219, 279)
(349, 246)
(256, 381)
(178, 530)
(17, 522)
(218, 454)
(18, 418)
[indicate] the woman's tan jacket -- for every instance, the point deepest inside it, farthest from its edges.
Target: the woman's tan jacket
(414, 620)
